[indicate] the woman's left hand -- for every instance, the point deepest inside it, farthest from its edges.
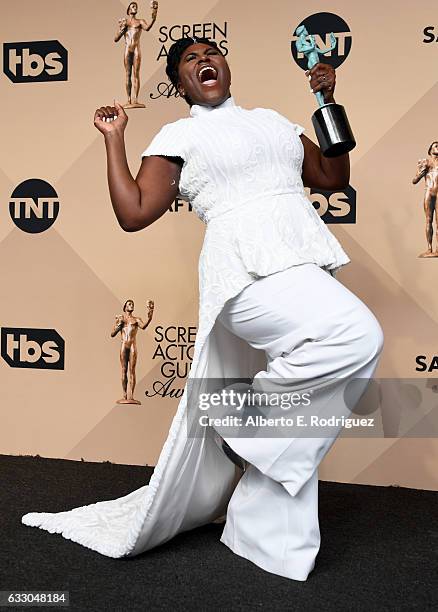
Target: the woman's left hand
(322, 77)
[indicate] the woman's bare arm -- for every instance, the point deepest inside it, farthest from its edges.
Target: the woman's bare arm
(158, 181)
(319, 172)
(327, 173)
(137, 202)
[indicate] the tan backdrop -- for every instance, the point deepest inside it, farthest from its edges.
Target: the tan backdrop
(75, 276)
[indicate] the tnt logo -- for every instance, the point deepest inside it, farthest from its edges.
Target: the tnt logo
(335, 206)
(321, 24)
(32, 348)
(29, 62)
(34, 206)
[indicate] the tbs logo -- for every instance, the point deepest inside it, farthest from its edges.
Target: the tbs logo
(34, 206)
(320, 25)
(29, 62)
(335, 206)
(32, 348)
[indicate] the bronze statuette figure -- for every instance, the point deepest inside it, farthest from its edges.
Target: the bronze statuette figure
(127, 324)
(131, 28)
(428, 169)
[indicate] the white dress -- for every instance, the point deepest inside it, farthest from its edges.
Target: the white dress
(242, 175)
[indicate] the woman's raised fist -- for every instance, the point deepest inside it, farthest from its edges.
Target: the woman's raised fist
(108, 119)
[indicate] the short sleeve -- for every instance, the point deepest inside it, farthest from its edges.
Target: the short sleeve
(294, 126)
(169, 141)
(298, 128)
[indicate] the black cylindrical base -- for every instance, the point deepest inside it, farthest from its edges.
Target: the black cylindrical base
(333, 130)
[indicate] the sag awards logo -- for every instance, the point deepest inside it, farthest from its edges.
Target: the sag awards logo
(34, 206)
(168, 34)
(430, 34)
(335, 206)
(32, 348)
(426, 364)
(321, 25)
(30, 62)
(174, 347)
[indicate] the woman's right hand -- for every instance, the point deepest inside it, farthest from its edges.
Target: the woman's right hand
(110, 119)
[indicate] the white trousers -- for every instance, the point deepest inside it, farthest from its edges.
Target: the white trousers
(311, 327)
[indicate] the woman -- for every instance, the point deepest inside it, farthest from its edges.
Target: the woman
(269, 311)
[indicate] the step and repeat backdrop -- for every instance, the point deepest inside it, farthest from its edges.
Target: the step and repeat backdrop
(69, 272)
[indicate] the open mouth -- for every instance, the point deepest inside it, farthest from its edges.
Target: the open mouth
(207, 75)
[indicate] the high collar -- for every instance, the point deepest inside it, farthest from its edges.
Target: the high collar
(198, 109)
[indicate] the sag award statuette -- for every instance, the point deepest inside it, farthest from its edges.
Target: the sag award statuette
(128, 326)
(131, 28)
(329, 120)
(428, 169)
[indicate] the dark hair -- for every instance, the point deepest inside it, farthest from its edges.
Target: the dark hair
(430, 148)
(175, 53)
(127, 10)
(124, 305)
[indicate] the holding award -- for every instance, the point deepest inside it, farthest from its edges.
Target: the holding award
(267, 264)
(330, 120)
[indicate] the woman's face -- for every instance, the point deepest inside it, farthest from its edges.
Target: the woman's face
(204, 75)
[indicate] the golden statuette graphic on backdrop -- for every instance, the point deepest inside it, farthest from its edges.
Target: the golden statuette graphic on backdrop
(127, 324)
(131, 28)
(428, 169)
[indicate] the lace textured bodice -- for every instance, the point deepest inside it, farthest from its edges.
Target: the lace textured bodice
(232, 155)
